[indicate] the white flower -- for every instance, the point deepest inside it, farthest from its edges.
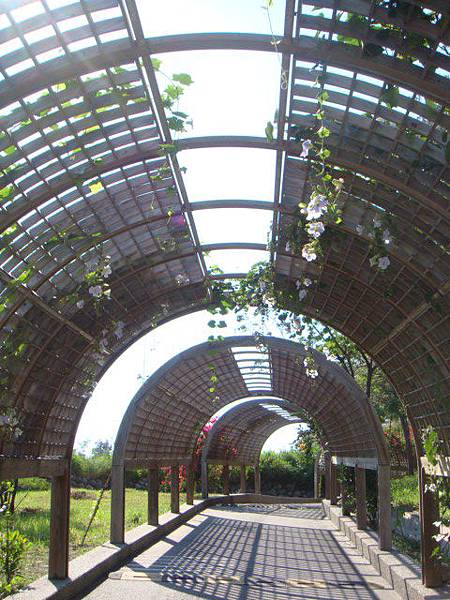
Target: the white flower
(316, 207)
(306, 145)
(118, 330)
(359, 229)
(102, 346)
(386, 236)
(316, 229)
(95, 290)
(288, 246)
(4, 420)
(302, 294)
(383, 263)
(106, 271)
(312, 373)
(338, 184)
(308, 253)
(91, 265)
(307, 282)
(107, 294)
(298, 284)
(376, 222)
(430, 487)
(182, 279)
(262, 286)
(80, 304)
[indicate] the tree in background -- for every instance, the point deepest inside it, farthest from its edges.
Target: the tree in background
(368, 376)
(102, 447)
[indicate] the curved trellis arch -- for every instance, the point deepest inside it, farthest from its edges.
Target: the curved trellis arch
(66, 126)
(162, 423)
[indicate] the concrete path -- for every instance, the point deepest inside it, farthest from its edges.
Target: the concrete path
(250, 553)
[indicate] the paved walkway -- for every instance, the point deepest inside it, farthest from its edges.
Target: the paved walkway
(250, 553)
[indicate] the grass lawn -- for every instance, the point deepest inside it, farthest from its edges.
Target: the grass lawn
(405, 492)
(33, 516)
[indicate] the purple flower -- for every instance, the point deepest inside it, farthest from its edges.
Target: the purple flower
(306, 145)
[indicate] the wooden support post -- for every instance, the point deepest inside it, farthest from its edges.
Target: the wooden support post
(190, 484)
(257, 479)
(243, 481)
(384, 508)
(327, 459)
(204, 474)
(360, 493)
(333, 483)
(175, 489)
(317, 476)
(153, 495)
(342, 491)
(118, 504)
(429, 514)
(226, 479)
(58, 560)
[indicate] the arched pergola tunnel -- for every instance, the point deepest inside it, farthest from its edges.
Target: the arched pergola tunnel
(238, 437)
(82, 124)
(163, 422)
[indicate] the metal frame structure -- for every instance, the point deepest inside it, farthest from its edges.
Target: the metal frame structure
(80, 106)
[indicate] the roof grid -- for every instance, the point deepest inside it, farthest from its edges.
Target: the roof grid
(82, 177)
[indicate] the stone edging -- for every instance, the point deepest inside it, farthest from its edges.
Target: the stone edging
(398, 570)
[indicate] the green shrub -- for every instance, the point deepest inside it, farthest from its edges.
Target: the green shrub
(405, 492)
(34, 483)
(13, 546)
(91, 467)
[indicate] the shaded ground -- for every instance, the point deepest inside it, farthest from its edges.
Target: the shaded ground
(252, 553)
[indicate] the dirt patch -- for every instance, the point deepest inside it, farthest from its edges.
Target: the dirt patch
(82, 495)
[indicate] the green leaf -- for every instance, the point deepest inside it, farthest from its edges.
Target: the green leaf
(183, 78)
(390, 96)
(6, 192)
(323, 132)
(156, 63)
(96, 186)
(174, 91)
(176, 124)
(322, 97)
(430, 445)
(269, 131)
(9, 150)
(211, 323)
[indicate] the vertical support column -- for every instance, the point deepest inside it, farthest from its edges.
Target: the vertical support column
(190, 484)
(204, 473)
(257, 479)
(429, 514)
(243, 481)
(58, 560)
(226, 479)
(384, 507)
(332, 482)
(117, 504)
(317, 476)
(327, 458)
(341, 490)
(175, 489)
(153, 495)
(361, 500)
